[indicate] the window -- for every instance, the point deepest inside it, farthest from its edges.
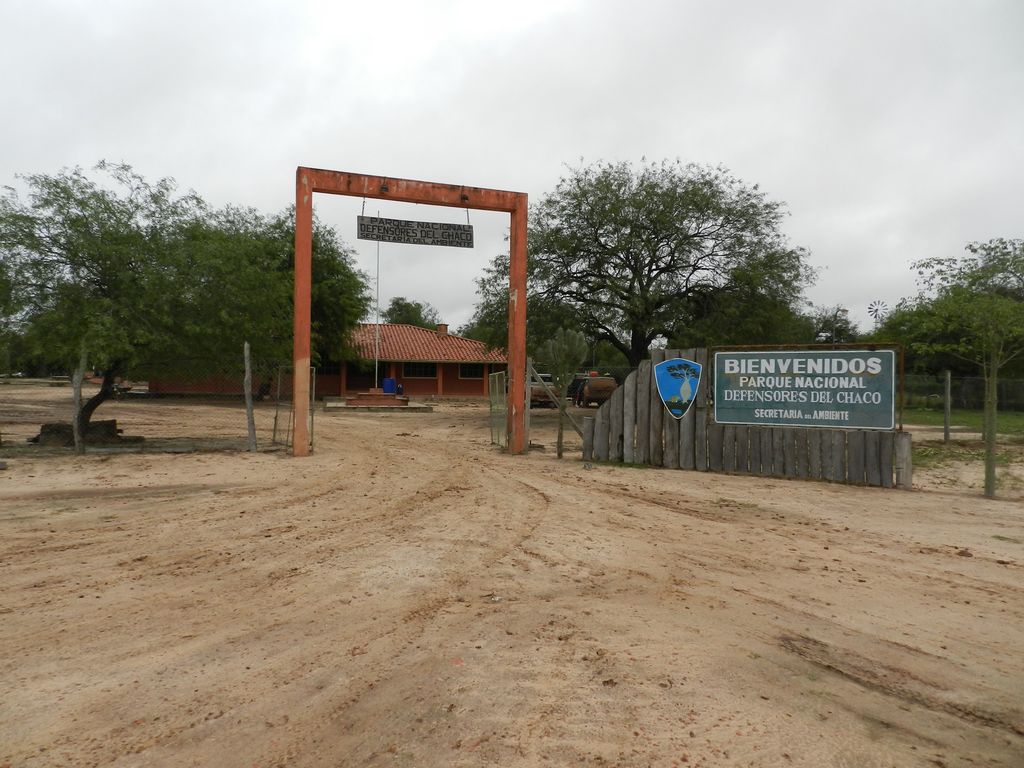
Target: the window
(419, 370)
(471, 370)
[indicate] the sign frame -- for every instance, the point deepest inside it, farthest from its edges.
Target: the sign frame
(409, 232)
(793, 416)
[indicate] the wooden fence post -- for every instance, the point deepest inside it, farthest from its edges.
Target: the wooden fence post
(838, 456)
(754, 450)
(250, 417)
(873, 458)
(789, 451)
(656, 452)
(729, 448)
(855, 457)
(904, 462)
(588, 438)
(742, 449)
(642, 453)
(814, 454)
(885, 458)
(615, 431)
(629, 419)
(688, 425)
(601, 429)
(700, 437)
(947, 406)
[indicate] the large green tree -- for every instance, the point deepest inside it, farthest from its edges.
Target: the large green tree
(411, 312)
(489, 322)
(972, 308)
(632, 253)
(133, 277)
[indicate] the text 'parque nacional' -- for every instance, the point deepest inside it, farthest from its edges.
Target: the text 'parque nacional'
(414, 232)
(836, 388)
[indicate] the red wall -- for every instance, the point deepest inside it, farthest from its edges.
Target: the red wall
(326, 384)
(453, 386)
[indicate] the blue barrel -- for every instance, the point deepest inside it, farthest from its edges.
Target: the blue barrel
(388, 386)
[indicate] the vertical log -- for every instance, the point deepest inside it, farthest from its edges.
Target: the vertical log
(885, 458)
(789, 451)
(729, 448)
(76, 402)
(779, 451)
(656, 452)
(688, 426)
(855, 457)
(601, 429)
(716, 445)
(754, 451)
(615, 431)
(629, 418)
(767, 450)
(947, 406)
(873, 458)
(904, 462)
(643, 413)
(700, 436)
(839, 455)
(250, 417)
(802, 450)
(588, 438)
(814, 454)
(742, 450)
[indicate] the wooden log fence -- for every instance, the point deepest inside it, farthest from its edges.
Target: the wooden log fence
(634, 427)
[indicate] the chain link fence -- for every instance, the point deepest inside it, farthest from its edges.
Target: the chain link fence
(966, 392)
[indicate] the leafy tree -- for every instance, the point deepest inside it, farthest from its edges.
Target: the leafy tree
(832, 325)
(562, 355)
(664, 250)
(974, 310)
(489, 323)
(410, 312)
(98, 270)
(135, 277)
(340, 294)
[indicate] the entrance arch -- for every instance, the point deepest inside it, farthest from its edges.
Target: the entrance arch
(311, 180)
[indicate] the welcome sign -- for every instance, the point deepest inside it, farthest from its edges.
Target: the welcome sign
(414, 232)
(853, 389)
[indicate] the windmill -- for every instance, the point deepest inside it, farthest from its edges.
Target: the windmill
(878, 310)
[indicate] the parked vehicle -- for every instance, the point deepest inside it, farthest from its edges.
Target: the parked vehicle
(538, 395)
(596, 390)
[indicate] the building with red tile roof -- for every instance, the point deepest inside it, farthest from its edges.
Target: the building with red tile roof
(424, 361)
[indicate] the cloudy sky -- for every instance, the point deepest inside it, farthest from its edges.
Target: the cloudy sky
(893, 130)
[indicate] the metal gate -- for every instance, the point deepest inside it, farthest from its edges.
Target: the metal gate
(499, 408)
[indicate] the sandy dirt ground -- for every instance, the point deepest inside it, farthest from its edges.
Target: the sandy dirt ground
(410, 596)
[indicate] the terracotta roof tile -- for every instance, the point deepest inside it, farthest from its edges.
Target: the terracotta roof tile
(410, 343)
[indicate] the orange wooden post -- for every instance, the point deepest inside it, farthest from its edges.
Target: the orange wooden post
(303, 286)
(516, 404)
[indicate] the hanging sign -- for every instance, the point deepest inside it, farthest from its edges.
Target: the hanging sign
(414, 232)
(678, 380)
(852, 389)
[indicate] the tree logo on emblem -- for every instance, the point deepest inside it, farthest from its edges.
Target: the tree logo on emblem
(678, 380)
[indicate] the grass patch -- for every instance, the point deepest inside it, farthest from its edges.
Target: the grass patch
(932, 455)
(1010, 423)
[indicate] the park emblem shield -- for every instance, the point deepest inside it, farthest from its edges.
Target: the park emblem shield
(678, 380)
